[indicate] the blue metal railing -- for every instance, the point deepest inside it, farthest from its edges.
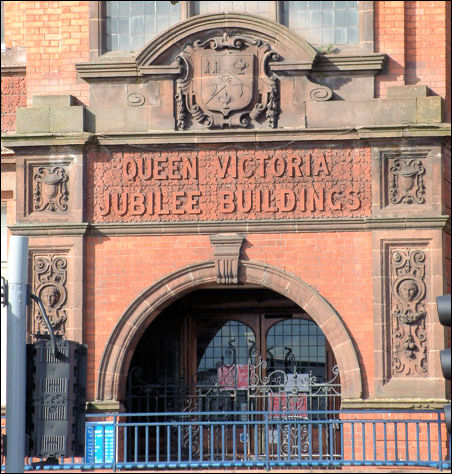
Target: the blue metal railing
(261, 439)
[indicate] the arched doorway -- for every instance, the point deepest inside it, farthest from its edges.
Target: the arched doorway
(249, 353)
(118, 353)
(232, 349)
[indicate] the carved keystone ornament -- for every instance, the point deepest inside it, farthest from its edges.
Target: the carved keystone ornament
(227, 253)
(226, 81)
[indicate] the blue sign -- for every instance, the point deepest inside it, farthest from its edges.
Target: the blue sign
(100, 443)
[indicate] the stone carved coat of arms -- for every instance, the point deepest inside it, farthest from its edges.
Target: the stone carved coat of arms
(226, 81)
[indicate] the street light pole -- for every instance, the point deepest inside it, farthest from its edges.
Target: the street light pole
(16, 353)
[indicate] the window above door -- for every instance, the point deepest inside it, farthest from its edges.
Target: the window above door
(127, 26)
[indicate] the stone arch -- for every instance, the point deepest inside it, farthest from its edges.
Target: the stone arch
(165, 46)
(125, 336)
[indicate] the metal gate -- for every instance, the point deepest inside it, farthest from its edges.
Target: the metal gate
(299, 405)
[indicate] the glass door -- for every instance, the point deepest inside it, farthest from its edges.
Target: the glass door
(268, 363)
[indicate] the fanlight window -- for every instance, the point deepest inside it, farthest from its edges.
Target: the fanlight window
(292, 346)
(252, 8)
(131, 24)
(323, 23)
(231, 346)
(296, 345)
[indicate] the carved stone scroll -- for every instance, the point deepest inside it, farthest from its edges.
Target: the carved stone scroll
(226, 82)
(408, 292)
(227, 252)
(407, 181)
(50, 191)
(49, 283)
(135, 99)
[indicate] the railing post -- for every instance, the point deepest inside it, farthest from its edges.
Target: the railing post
(440, 442)
(274, 428)
(267, 444)
(115, 438)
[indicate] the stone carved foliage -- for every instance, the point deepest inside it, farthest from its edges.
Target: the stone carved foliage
(50, 189)
(408, 291)
(407, 181)
(49, 283)
(226, 81)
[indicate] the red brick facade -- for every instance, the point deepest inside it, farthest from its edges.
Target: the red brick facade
(324, 260)
(53, 49)
(409, 32)
(329, 184)
(403, 30)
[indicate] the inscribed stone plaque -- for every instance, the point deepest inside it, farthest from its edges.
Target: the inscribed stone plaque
(225, 185)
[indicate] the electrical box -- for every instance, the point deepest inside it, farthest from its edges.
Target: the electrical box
(56, 398)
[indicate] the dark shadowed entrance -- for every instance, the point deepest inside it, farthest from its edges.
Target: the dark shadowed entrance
(239, 351)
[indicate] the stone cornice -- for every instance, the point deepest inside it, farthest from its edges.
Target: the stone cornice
(215, 227)
(7, 156)
(370, 62)
(18, 69)
(127, 67)
(107, 68)
(394, 404)
(46, 139)
(229, 136)
(41, 230)
(115, 68)
(102, 406)
(113, 406)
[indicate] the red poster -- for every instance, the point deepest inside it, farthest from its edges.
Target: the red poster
(291, 402)
(233, 377)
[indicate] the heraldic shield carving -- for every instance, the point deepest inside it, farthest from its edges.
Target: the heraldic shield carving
(226, 81)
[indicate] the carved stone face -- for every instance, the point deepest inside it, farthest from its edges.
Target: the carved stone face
(408, 290)
(50, 296)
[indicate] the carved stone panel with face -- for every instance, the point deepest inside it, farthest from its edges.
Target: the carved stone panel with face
(49, 283)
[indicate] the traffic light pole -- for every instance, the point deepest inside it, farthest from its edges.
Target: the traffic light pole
(16, 353)
(444, 313)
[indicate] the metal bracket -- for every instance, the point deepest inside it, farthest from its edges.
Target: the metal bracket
(38, 301)
(4, 293)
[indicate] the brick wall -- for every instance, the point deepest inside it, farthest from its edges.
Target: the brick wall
(416, 37)
(55, 36)
(118, 269)
(448, 59)
(426, 45)
(14, 22)
(390, 39)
